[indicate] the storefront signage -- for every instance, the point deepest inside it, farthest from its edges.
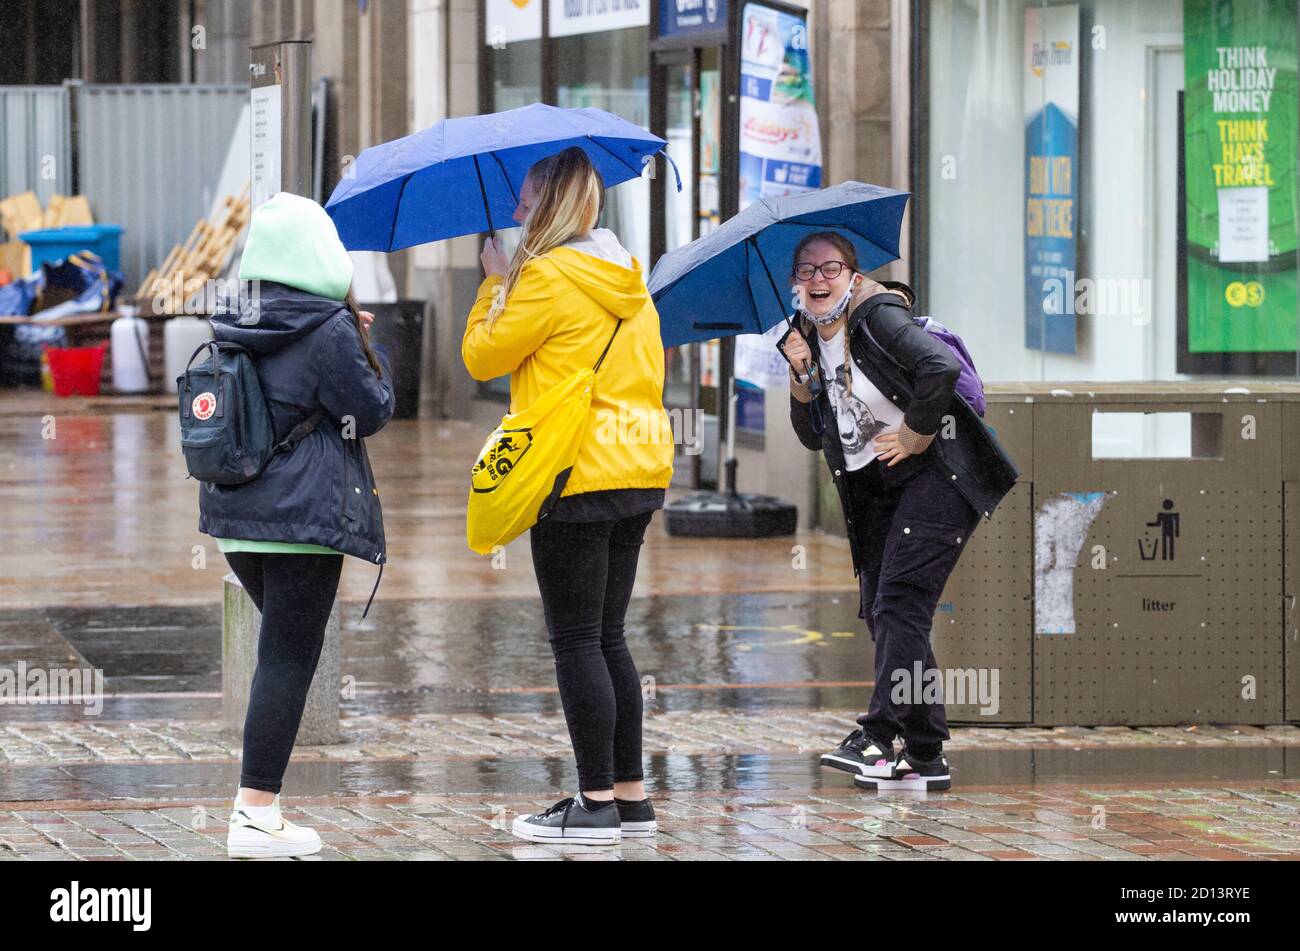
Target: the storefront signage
(510, 21)
(570, 17)
(687, 17)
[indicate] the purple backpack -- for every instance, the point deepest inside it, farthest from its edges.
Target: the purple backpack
(969, 385)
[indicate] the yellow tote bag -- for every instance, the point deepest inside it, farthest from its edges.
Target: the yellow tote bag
(526, 462)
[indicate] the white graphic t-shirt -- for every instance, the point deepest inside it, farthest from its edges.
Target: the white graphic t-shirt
(862, 414)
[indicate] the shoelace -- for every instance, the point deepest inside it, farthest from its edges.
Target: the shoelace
(857, 739)
(562, 806)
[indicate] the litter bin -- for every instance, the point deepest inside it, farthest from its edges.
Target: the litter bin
(399, 329)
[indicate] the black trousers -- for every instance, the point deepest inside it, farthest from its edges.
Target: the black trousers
(294, 593)
(910, 533)
(585, 572)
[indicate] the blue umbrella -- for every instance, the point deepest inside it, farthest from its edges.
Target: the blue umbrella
(463, 176)
(736, 280)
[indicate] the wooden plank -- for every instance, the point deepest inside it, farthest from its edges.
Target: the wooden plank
(19, 213)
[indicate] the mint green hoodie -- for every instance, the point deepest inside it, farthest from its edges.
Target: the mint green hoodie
(291, 240)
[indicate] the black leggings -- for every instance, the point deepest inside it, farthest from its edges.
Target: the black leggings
(585, 572)
(295, 594)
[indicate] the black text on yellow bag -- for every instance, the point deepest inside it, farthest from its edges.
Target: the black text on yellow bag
(524, 465)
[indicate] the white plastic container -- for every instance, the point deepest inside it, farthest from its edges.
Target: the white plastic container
(181, 337)
(130, 348)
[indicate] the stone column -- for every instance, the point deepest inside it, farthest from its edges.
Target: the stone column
(240, 623)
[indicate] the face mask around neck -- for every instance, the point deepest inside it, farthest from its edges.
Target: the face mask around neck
(834, 313)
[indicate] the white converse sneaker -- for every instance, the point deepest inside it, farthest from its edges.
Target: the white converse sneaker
(261, 832)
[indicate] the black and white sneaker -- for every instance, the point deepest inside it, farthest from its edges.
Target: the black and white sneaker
(911, 772)
(859, 753)
(570, 821)
(637, 818)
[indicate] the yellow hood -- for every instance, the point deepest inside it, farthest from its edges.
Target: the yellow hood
(604, 271)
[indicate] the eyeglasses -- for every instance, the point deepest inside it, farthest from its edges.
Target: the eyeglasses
(830, 270)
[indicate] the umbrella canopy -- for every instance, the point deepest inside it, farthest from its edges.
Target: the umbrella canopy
(736, 280)
(463, 176)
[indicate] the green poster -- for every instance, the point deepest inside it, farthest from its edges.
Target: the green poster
(1239, 127)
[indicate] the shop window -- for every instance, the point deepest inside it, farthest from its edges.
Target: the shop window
(1078, 216)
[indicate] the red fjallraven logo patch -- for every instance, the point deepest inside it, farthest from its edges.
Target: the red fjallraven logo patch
(205, 404)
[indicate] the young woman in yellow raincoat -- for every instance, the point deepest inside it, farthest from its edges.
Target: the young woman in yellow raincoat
(569, 294)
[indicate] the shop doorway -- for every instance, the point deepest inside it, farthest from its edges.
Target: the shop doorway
(686, 86)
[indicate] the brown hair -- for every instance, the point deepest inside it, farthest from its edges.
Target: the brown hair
(841, 244)
(350, 302)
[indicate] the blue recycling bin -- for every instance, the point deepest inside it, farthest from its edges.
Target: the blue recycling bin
(55, 244)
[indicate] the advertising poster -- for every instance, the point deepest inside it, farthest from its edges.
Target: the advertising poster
(1051, 179)
(780, 152)
(780, 144)
(1239, 141)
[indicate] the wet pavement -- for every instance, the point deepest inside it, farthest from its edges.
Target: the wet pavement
(770, 819)
(451, 721)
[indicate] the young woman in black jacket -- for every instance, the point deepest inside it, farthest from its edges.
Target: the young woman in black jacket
(872, 391)
(285, 533)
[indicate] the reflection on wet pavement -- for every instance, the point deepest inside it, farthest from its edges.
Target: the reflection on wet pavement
(746, 651)
(666, 774)
(108, 506)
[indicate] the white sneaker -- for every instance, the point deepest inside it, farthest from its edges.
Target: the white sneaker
(270, 836)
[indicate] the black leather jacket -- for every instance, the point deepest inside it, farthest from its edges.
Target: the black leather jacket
(921, 379)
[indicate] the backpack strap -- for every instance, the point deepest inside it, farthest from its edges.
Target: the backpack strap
(865, 322)
(608, 345)
(185, 387)
(299, 432)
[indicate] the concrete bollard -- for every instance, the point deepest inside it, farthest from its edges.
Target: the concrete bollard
(240, 623)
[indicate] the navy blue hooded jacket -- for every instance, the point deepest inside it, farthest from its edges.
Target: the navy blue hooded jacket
(308, 355)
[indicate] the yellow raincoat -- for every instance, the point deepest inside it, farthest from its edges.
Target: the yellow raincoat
(556, 321)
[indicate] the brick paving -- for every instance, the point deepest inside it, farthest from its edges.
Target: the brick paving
(774, 815)
(1052, 823)
(376, 737)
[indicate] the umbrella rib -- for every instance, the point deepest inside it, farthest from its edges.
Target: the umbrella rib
(397, 211)
(487, 209)
(780, 303)
(616, 155)
(753, 308)
(505, 175)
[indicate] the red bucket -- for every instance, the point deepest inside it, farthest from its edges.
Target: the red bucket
(76, 370)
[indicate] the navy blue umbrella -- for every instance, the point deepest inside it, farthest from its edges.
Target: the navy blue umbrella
(463, 176)
(736, 280)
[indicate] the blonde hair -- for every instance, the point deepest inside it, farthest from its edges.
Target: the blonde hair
(570, 196)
